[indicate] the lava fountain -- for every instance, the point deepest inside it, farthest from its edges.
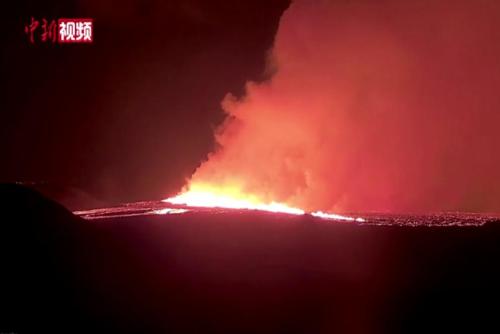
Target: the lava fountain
(365, 108)
(232, 198)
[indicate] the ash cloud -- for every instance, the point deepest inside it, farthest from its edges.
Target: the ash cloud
(372, 106)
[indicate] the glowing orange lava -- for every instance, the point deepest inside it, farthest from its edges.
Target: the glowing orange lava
(232, 198)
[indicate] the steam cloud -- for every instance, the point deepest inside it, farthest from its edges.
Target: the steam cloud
(372, 106)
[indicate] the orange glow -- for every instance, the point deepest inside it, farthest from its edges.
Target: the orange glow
(233, 198)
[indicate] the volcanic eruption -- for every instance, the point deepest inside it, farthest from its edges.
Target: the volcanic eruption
(366, 108)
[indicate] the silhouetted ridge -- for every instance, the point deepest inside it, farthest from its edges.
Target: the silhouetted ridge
(38, 240)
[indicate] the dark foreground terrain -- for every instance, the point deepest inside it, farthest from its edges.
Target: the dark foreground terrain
(242, 272)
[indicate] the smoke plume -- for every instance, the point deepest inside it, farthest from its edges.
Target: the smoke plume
(370, 106)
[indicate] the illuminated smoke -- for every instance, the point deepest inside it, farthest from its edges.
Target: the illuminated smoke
(372, 106)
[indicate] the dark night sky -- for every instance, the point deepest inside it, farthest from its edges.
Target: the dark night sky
(132, 115)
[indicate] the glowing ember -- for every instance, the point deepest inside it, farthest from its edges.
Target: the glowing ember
(234, 199)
